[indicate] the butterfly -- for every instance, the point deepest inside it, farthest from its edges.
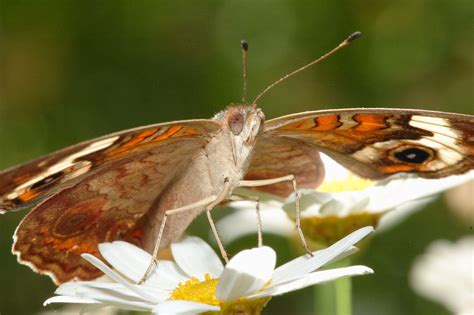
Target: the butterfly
(126, 185)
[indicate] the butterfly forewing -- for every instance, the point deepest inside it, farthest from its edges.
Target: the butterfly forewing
(26, 184)
(376, 143)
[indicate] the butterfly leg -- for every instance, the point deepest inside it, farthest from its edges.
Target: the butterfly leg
(265, 182)
(222, 195)
(257, 209)
(204, 202)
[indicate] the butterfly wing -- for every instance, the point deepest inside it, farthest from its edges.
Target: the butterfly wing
(105, 204)
(376, 143)
(279, 156)
(24, 185)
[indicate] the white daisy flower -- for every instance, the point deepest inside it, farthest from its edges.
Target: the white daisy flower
(343, 203)
(445, 274)
(198, 282)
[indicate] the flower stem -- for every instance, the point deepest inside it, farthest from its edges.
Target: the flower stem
(343, 289)
(334, 298)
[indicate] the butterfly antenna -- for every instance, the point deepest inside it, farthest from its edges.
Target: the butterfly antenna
(245, 48)
(346, 42)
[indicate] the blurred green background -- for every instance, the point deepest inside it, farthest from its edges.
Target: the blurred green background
(72, 70)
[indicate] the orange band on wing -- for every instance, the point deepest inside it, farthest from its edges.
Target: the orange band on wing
(398, 168)
(139, 138)
(29, 195)
(177, 131)
(152, 136)
(168, 133)
(370, 122)
(326, 123)
(322, 123)
(133, 142)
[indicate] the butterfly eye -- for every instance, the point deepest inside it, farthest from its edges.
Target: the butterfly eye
(413, 155)
(47, 180)
(236, 122)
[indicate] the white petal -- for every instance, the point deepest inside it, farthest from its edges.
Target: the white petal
(315, 278)
(126, 258)
(89, 288)
(305, 264)
(344, 203)
(116, 277)
(99, 291)
(385, 195)
(196, 258)
(133, 262)
(244, 222)
(333, 170)
(397, 190)
(246, 272)
(351, 250)
(396, 215)
(167, 275)
(314, 203)
(111, 294)
(69, 299)
(183, 307)
(88, 307)
(311, 202)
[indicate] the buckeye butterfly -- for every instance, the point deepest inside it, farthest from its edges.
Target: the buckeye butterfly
(119, 186)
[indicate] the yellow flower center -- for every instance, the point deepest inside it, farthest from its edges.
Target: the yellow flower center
(205, 292)
(325, 231)
(353, 182)
(197, 291)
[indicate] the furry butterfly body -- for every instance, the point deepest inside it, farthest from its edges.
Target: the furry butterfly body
(120, 186)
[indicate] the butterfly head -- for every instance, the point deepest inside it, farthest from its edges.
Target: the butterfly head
(244, 123)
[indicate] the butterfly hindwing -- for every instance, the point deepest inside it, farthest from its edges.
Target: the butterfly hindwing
(277, 156)
(100, 208)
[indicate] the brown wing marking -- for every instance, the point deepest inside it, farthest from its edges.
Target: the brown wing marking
(29, 183)
(376, 143)
(277, 156)
(101, 208)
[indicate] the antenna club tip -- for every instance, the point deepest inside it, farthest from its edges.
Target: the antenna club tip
(244, 44)
(353, 37)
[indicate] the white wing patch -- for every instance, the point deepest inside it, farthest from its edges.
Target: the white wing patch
(80, 166)
(445, 142)
(440, 127)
